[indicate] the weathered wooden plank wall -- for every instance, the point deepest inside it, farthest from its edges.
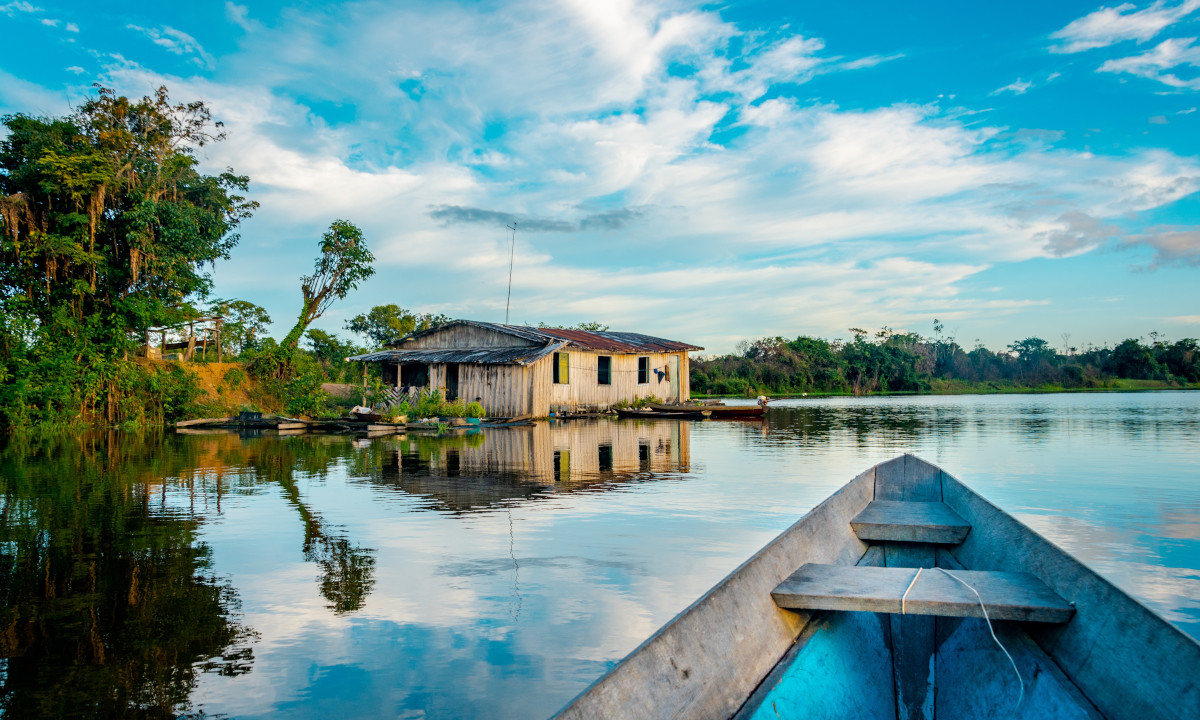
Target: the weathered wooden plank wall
(582, 388)
(466, 336)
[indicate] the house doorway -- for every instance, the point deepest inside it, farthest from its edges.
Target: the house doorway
(452, 382)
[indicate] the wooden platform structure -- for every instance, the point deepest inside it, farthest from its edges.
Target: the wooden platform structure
(197, 333)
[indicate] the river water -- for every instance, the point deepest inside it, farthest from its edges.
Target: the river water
(497, 574)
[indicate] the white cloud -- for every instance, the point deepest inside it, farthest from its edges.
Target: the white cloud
(76, 69)
(1171, 246)
(177, 42)
(1017, 87)
(1110, 25)
(806, 210)
(72, 27)
(239, 15)
(1158, 63)
(19, 6)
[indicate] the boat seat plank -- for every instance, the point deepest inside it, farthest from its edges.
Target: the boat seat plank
(1008, 596)
(902, 521)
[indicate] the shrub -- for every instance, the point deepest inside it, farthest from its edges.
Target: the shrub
(304, 395)
(475, 410)
(234, 378)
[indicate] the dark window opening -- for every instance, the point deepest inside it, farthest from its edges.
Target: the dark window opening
(643, 456)
(562, 368)
(643, 370)
(604, 370)
(452, 382)
(606, 458)
(453, 464)
(414, 375)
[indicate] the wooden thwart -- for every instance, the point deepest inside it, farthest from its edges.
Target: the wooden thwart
(1008, 596)
(901, 521)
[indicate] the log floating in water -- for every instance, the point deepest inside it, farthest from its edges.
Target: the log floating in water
(204, 421)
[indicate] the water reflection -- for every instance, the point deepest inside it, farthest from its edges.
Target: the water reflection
(496, 574)
(110, 602)
(490, 469)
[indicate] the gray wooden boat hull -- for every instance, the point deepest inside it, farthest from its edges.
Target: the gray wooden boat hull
(735, 654)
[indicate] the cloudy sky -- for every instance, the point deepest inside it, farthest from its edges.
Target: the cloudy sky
(703, 172)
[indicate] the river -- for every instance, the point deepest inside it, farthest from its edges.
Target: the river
(497, 574)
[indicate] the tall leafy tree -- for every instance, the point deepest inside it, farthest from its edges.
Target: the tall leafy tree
(344, 262)
(244, 323)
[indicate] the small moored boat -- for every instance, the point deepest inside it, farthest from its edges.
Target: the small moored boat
(906, 595)
(675, 414)
(719, 411)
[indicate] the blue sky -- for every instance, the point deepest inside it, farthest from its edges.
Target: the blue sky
(703, 172)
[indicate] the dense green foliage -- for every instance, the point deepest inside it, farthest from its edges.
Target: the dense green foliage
(907, 362)
(105, 228)
(386, 324)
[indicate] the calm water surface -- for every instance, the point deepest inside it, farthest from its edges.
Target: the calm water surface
(498, 574)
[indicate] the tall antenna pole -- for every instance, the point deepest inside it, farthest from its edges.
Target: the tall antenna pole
(511, 252)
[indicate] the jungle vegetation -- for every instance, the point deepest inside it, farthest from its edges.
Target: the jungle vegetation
(907, 362)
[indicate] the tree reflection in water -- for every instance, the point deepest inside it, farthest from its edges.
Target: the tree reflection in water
(110, 606)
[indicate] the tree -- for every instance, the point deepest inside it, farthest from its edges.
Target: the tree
(1131, 359)
(106, 226)
(385, 324)
(344, 262)
(244, 322)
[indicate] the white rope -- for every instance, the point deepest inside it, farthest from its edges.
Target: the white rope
(904, 599)
(990, 629)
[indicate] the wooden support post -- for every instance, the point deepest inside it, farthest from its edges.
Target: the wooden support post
(220, 321)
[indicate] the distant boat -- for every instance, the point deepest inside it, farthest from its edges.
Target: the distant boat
(873, 606)
(716, 410)
(671, 414)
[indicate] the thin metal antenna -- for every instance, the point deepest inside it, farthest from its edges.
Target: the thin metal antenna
(511, 252)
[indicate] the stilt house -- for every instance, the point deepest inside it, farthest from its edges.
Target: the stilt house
(514, 370)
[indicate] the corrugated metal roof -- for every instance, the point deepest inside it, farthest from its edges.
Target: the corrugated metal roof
(484, 356)
(618, 342)
(525, 333)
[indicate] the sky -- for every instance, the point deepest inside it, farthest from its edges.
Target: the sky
(707, 173)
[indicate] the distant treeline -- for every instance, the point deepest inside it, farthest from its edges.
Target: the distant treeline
(908, 362)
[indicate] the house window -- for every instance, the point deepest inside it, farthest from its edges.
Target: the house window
(643, 370)
(604, 370)
(562, 367)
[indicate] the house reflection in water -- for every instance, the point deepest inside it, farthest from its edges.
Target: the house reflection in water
(474, 472)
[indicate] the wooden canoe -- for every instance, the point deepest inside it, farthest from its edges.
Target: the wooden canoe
(697, 414)
(718, 412)
(864, 609)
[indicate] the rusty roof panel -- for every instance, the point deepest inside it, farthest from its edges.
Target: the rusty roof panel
(618, 342)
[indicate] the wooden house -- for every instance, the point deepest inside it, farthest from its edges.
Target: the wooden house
(514, 370)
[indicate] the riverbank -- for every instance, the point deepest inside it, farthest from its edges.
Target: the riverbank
(960, 387)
